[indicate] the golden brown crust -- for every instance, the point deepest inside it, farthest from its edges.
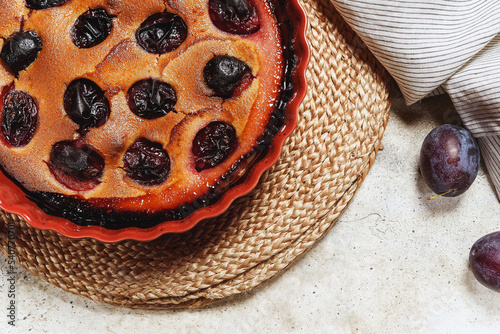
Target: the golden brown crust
(115, 65)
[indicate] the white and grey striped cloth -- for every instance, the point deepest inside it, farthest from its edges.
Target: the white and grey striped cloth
(432, 45)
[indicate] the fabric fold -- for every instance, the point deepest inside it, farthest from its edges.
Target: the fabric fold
(430, 46)
(422, 43)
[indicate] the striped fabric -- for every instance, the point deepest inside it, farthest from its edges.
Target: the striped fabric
(432, 46)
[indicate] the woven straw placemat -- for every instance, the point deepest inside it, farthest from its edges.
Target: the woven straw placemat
(341, 123)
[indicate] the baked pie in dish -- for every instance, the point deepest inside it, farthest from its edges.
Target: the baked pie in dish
(129, 119)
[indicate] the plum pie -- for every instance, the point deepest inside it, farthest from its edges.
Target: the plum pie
(121, 113)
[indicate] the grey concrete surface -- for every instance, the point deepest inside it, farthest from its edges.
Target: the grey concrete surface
(394, 263)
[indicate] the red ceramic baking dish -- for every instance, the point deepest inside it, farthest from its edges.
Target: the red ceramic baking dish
(292, 22)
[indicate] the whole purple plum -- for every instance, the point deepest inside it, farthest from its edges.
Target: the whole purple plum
(449, 160)
(484, 260)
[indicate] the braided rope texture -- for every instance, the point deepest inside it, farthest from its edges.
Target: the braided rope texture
(324, 161)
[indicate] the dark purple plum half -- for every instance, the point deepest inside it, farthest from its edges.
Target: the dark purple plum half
(76, 165)
(19, 117)
(20, 50)
(44, 4)
(234, 16)
(225, 74)
(146, 162)
(213, 144)
(91, 28)
(151, 98)
(162, 33)
(86, 104)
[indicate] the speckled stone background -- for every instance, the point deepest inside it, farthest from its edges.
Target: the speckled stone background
(394, 263)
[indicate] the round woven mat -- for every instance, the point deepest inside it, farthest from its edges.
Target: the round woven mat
(341, 123)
